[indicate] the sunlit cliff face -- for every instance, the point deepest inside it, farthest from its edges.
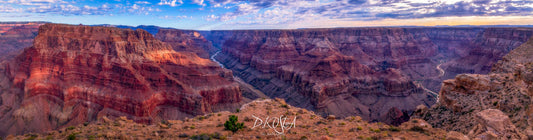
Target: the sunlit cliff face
(75, 74)
(181, 58)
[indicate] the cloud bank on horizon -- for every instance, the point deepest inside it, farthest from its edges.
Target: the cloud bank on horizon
(269, 14)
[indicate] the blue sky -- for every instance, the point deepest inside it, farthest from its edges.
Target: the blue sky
(271, 14)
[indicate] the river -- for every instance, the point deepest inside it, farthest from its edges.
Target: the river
(240, 81)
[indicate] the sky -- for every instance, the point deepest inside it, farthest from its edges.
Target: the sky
(270, 14)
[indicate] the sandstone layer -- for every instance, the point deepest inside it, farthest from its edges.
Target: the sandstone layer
(74, 74)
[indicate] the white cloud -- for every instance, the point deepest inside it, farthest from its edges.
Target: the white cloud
(142, 2)
(34, 2)
(8, 9)
(212, 17)
(70, 9)
(142, 10)
(199, 2)
(171, 2)
(176, 17)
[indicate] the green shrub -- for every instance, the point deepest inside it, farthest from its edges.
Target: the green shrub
(202, 136)
(32, 137)
(232, 124)
(71, 136)
(394, 129)
(71, 128)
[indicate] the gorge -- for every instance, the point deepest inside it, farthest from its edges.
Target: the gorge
(77, 74)
(377, 71)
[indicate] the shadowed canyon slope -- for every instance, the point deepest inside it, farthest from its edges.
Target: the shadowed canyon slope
(14, 36)
(377, 73)
(74, 74)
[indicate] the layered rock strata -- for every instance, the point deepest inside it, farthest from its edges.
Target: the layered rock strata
(508, 87)
(186, 41)
(322, 70)
(361, 71)
(16, 36)
(73, 74)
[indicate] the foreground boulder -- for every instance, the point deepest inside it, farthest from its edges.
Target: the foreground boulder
(494, 124)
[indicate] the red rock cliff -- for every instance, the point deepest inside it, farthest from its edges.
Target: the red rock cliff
(187, 41)
(72, 74)
(361, 71)
(333, 71)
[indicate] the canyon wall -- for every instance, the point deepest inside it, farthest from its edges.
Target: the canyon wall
(375, 73)
(75, 74)
(14, 36)
(186, 41)
(508, 87)
(342, 72)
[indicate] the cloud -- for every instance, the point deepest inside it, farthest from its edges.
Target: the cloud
(71, 9)
(171, 2)
(275, 13)
(212, 17)
(199, 2)
(142, 2)
(242, 9)
(175, 17)
(137, 9)
(34, 2)
(357, 1)
(8, 9)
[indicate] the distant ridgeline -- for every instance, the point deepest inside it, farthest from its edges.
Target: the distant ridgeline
(149, 28)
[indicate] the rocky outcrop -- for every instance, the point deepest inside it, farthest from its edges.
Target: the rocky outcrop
(284, 121)
(16, 36)
(73, 74)
(186, 41)
(494, 124)
(507, 88)
(453, 135)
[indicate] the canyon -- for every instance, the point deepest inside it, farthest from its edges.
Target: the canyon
(76, 74)
(508, 88)
(380, 74)
(15, 36)
(69, 75)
